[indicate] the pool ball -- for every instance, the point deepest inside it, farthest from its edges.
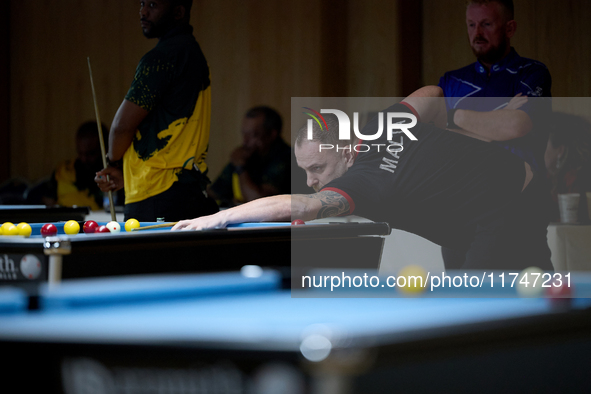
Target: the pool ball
(48, 230)
(559, 294)
(102, 229)
(89, 227)
(24, 229)
(131, 224)
(5, 227)
(114, 227)
(71, 227)
(415, 280)
(11, 230)
(297, 222)
(251, 271)
(529, 282)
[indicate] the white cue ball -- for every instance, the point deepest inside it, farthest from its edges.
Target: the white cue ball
(530, 290)
(113, 227)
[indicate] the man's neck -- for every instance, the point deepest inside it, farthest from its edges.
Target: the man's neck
(174, 29)
(488, 65)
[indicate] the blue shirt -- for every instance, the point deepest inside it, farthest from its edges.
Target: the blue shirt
(508, 77)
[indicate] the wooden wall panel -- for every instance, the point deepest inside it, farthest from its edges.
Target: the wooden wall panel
(334, 34)
(410, 55)
(259, 52)
(563, 35)
(5, 95)
(374, 49)
(51, 94)
(445, 41)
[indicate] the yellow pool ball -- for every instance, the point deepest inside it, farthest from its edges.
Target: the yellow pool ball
(24, 229)
(71, 227)
(11, 230)
(414, 279)
(5, 227)
(130, 224)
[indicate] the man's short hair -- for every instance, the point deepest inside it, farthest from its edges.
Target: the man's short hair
(324, 133)
(185, 3)
(507, 6)
(272, 120)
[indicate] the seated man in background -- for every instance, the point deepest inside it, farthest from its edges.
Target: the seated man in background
(438, 186)
(260, 167)
(72, 182)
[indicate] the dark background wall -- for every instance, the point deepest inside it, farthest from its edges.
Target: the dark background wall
(5, 94)
(259, 51)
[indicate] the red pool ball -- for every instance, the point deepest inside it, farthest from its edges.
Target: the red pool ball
(48, 230)
(90, 227)
(297, 222)
(102, 229)
(560, 296)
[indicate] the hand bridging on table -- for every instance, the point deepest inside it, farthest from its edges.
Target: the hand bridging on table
(201, 223)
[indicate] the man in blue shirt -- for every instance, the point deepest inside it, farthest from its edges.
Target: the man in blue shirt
(504, 78)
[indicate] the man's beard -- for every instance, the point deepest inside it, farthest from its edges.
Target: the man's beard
(493, 55)
(158, 29)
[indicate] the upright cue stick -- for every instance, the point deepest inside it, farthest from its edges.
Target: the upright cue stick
(100, 131)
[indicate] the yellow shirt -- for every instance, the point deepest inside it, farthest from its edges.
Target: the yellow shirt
(172, 83)
(68, 194)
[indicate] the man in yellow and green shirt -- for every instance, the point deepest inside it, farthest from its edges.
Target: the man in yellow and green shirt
(160, 134)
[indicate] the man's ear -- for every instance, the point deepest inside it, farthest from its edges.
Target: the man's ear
(510, 28)
(349, 155)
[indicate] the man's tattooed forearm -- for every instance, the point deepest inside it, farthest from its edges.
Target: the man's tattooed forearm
(333, 204)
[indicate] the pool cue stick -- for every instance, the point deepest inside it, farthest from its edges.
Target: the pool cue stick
(101, 139)
(161, 225)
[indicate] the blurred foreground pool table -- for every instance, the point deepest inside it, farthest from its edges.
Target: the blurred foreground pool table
(242, 333)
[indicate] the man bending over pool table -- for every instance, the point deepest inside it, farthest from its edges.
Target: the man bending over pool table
(452, 189)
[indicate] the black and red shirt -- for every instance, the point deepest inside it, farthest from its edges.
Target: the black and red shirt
(441, 182)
